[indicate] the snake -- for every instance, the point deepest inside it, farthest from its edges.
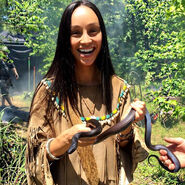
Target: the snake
(119, 127)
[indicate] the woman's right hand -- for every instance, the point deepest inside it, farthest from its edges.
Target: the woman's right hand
(62, 142)
(85, 141)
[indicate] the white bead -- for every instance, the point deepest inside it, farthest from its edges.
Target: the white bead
(108, 121)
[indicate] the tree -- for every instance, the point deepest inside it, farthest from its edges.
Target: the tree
(38, 22)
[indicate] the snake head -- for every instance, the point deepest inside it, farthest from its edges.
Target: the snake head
(95, 126)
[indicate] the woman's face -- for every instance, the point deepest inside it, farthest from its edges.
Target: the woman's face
(86, 36)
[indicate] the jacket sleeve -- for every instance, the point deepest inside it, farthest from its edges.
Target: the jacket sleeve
(37, 165)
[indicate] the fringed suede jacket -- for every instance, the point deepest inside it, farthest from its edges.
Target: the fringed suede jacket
(105, 163)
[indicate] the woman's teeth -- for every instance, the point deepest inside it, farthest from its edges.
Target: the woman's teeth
(86, 51)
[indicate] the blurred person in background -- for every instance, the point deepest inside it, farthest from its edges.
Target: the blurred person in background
(6, 65)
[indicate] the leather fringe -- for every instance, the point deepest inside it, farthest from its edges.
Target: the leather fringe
(86, 155)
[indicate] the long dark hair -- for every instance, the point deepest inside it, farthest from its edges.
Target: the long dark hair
(63, 65)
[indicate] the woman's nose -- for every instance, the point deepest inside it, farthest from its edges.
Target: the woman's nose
(85, 39)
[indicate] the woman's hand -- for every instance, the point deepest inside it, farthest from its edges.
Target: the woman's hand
(85, 141)
(140, 108)
(177, 146)
(61, 143)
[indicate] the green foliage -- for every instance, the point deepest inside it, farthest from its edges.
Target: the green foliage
(159, 52)
(12, 149)
(157, 175)
(173, 87)
(25, 18)
(3, 12)
(38, 22)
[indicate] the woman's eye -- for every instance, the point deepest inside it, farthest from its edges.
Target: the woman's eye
(75, 33)
(93, 32)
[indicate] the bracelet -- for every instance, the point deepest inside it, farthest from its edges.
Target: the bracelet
(48, 150)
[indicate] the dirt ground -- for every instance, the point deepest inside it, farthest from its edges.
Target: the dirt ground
(23, 105)
(20, 102)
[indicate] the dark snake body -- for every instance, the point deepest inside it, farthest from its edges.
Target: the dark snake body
(173, 158)
(94, 132)
(121, 126)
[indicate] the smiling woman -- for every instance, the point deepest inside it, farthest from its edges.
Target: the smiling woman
(81, 85)
(86, 39)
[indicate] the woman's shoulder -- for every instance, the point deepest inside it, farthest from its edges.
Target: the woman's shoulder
(118, 81)
(47, 82)
(119, 86)
(44, 86)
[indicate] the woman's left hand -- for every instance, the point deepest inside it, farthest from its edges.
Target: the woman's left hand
(140, 108)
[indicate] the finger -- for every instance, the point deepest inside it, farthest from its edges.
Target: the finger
(163, 158)
(139, 103)
(163, 152)
(172, 147)
(171, 166)
(138, 117)
(138, 106)
(177, 141)
(79, 128)
(86, 129)
(168, 162)
(140, 111)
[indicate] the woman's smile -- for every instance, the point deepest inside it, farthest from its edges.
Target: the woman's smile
(86, 52)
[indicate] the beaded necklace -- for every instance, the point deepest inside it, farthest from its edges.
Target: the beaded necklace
(103, 119)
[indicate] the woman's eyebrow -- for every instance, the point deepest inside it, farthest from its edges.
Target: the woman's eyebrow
(91, 24)
(75, 26)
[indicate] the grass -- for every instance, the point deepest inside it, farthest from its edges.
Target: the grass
(13, 146)
(12, 151)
